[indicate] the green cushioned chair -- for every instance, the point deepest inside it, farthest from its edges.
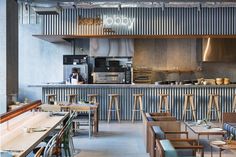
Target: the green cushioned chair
(169, 150)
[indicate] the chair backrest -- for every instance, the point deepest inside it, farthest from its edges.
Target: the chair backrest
(48, 151)
(165, 149)
(39, 152)
(80, 108)
(49, 108)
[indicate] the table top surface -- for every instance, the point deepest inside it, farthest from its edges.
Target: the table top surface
(231, 145)
(61, 106)
(17, 140)
(202, 129)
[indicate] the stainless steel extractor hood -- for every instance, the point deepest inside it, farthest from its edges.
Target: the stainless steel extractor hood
(219, 50)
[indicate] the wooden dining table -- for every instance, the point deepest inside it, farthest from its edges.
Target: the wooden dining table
(19, 136)
(80, 106)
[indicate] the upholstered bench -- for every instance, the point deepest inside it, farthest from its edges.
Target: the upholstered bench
(229, 123)
(231, 129)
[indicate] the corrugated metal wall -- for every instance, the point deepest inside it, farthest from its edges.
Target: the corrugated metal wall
(148, 21)
(150, 98)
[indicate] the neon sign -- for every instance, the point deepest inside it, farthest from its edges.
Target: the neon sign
(118, 20)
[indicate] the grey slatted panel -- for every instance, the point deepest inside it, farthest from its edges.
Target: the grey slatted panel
(150, 98)
(155, 21)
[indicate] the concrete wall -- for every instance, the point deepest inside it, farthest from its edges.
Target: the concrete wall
(3, 57)
(8, 51)
(40, 61)
(12, 47)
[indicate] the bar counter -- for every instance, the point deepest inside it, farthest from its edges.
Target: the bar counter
(150, 98)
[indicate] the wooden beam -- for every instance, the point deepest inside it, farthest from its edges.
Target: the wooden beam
(9, 115)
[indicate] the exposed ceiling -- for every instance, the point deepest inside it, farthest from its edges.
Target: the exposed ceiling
(127, 3)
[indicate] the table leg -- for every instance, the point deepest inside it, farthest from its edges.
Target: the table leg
(220, 151)
(211, 152)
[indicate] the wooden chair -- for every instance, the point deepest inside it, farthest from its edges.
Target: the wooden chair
(39, 153)
(213, 103)
(113, 101)
(138, 98)
(164, 102)
(154, 130)
(92, 98)
(188, 103)
(72, 98)
(86, 120)
(165, 148)
(50, 147)
(51, 98)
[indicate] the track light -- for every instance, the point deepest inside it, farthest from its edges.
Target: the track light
(119, 7)
(26, 6)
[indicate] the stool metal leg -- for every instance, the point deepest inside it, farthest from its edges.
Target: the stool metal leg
(217, 107)
(109, 109)
(185, 107)
(193, 108)
(134, 109)
(117, 109)
(209, 108)
(234, 104)
(166, 104)
(140, 105)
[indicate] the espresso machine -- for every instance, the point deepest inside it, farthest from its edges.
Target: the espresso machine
(75, 61)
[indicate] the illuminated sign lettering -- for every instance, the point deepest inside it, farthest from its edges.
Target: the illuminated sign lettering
(118, 20)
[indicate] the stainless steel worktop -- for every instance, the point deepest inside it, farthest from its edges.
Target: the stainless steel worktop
(131, 85)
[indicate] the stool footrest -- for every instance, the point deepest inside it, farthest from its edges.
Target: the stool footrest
(137, 110)
(113, 110)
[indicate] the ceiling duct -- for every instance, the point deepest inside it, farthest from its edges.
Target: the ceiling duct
(47, 10)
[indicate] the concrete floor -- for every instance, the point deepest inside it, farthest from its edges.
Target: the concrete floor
(125, 140)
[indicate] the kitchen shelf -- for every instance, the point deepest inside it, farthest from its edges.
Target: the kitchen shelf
(177, 71)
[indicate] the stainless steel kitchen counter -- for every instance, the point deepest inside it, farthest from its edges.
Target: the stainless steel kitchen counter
(150, 98)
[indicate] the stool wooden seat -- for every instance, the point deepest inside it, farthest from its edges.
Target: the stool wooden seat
(213, 102)
(138, 98)
(163, 101)
(188, 102)
(234, 103)
(50, 98)
(92, 98)
(113, 100)
(72, 98)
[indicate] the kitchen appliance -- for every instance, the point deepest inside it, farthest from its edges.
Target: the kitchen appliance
(75, 61)
(110, 70)
(109, 77)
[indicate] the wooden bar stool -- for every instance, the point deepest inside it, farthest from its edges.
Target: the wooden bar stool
(138, 98)
(50, 98)
(113, 100)
(163, 101)
(92, 98)
(72, 98)
(188, 103)
(213, 102)
(234, 103)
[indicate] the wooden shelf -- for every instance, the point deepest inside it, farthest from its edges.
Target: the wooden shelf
(63, 38)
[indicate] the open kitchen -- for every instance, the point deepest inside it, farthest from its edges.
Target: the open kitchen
(167, 63)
